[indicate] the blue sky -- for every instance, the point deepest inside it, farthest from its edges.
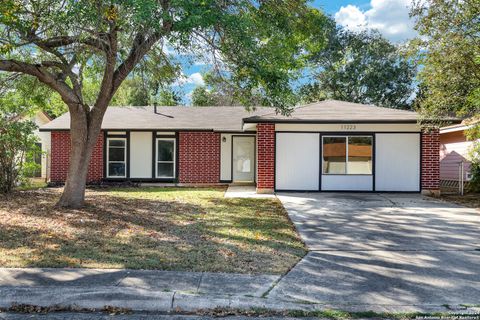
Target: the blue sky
(389, 17)
(332, 6)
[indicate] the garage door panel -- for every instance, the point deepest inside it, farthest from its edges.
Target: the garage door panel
(297, 161)
(397, 166)
(347, 182)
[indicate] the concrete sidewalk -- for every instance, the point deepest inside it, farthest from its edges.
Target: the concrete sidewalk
(141, 290)
(162, 291)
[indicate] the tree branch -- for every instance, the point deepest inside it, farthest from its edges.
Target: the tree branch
(43, 76)
(56, 42)
(141, 45)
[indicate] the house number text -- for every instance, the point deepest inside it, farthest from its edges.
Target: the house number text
(348, 127)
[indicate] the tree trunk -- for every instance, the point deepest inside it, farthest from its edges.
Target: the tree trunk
(83, 137)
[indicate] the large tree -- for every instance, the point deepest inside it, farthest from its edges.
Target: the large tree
(218, 90)
(361, 67)
(261, 44)
(448, 50)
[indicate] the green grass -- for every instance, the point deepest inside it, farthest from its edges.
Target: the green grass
(32, 184)
(191, 229)
(332, 314)
(341, 315)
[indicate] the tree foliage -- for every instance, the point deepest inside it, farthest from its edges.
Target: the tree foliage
(449, 51)
(361, 67)
(263, 45)
(202, 97)
(168, 97)
(219, 91)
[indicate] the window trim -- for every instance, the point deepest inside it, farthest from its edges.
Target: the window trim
(108, 158)
(173, 162)
(347, 136)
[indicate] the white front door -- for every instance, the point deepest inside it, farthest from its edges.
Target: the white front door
(243, 159)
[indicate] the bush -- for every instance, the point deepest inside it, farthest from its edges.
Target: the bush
(17, 150)
(474, 185)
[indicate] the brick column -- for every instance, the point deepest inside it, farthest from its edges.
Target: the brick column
(266, 157)
(431, 162)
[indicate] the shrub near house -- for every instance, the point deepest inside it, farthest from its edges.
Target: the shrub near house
(17, 149)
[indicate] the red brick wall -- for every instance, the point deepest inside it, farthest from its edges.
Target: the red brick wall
(266, 156)
(60, 158)
(431, 160)
(199, 157)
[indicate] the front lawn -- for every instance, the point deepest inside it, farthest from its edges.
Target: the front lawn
(191, 229)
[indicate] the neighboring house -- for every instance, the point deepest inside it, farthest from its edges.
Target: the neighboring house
(454, 149)
(40, 119)
(325, 146)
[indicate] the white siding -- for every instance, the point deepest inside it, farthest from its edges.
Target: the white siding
(347, 182)
(397, 165)
(44, 138)
(226, 157)
(140, 155)
(297, 161)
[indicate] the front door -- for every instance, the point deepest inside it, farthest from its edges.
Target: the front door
(243, 159)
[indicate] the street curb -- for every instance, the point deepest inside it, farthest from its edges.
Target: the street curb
(137, 299)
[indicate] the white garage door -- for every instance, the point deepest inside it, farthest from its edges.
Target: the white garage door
(397, 159)
(297, 161)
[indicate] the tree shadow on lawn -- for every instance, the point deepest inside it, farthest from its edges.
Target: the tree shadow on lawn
(217, 234)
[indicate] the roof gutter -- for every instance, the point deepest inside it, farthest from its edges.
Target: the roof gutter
(327, 121)
(151, 129)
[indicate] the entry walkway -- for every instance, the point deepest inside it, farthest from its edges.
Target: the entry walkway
(239, 191)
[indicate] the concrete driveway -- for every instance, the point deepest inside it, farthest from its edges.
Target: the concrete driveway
(392, 250)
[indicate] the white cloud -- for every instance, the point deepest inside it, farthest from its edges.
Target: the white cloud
(351, 18)
(195, 78)
(390, 17)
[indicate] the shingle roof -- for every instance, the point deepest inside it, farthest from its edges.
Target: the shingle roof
(230, 118)
(168, 118)
(330, 111)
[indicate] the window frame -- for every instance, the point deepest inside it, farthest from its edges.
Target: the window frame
(347, 136)
(108, 157)
(173, 162)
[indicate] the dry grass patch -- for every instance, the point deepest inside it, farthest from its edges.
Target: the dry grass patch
(471, 200)
(192, 229)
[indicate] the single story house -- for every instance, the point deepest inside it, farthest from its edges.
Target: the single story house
(325, 146)
(454, 150)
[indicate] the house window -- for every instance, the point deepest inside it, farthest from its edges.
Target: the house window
(347, 154)
(116, 157)
(165, 158)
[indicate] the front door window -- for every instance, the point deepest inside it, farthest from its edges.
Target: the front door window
(243, 157)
